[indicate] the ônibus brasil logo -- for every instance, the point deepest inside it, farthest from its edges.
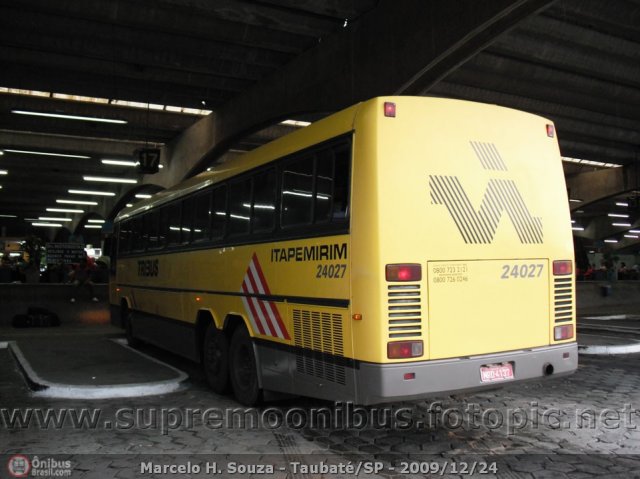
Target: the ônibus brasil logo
(19, 466)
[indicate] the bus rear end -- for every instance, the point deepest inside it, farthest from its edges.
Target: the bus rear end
(463, 273)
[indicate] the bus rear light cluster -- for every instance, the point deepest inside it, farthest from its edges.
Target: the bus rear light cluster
(404, 349)
(562, 267)
(563, 332)
(403, 272)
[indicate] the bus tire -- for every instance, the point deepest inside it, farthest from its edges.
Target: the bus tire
(132, 341)
(242, 368)
(215, 359)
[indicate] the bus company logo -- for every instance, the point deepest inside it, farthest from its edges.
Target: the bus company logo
(19, 466)
(263, 314)
(478, 226)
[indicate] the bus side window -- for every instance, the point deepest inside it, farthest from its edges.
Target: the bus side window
(137, 240)
(201, 224)
(188, 210)
(152, 230)
(264, 202)
(239, 207)
(297, 192)
(124, 237)
(324, 185)
(342, 183)
(163, 227)
(174, 223)
(219, 212)
(146, 226)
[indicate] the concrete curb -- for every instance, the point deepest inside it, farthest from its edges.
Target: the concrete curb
(612, 317)
(44, 388)
(610, 350)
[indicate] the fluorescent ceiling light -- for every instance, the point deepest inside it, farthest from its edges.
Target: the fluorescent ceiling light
(574, 200)
(46, 153)
(129, 205)
(95, 221)
(8, 216)
(51, 225)
(105, 101)
(610, 241)
(93, 226)
(4, 172)
(142, 196)
(634, 231)
(632, 236)
(123, 163)
(68, 117)
(77, 202)
(620, 203)
(91, 192)
(621, 224)
(618, 215)
(48, 218)
(590, 162)
(577, 228)
(63, 210)
(109, 180)
(119, 162)
(297, 123)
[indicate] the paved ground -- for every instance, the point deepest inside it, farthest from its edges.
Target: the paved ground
(581, 426)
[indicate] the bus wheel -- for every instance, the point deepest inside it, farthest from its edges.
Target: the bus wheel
(132, 341)
(215, 359)
(242, 368)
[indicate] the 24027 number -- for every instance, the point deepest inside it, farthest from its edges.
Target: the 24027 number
(331, 270)
(521, 271)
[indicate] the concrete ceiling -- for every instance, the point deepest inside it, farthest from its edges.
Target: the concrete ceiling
(576, 62)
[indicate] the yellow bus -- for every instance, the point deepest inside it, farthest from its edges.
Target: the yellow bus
(402, 248)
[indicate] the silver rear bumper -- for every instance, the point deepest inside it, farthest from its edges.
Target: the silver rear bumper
(380, 383)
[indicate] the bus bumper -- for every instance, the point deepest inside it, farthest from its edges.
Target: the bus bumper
(380, 383)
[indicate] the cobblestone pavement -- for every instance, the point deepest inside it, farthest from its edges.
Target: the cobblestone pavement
(581, 426)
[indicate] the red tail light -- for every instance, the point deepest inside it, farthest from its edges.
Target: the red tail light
(404, 349)
(562, 267)
(389, 109)
(551, 131)
(403, 272)
(563, 332)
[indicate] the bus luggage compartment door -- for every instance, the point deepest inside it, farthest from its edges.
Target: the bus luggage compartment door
(487, 306)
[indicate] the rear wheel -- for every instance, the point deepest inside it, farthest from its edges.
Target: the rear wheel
(215, 359)
(127, 317)
(242, 368)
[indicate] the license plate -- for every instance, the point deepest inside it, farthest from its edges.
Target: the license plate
(496, 372)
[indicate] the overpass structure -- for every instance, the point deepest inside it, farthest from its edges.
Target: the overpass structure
(206, 81)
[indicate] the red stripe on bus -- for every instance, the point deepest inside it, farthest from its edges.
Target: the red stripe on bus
(263, 281)
(252, 312)
(254, 286)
